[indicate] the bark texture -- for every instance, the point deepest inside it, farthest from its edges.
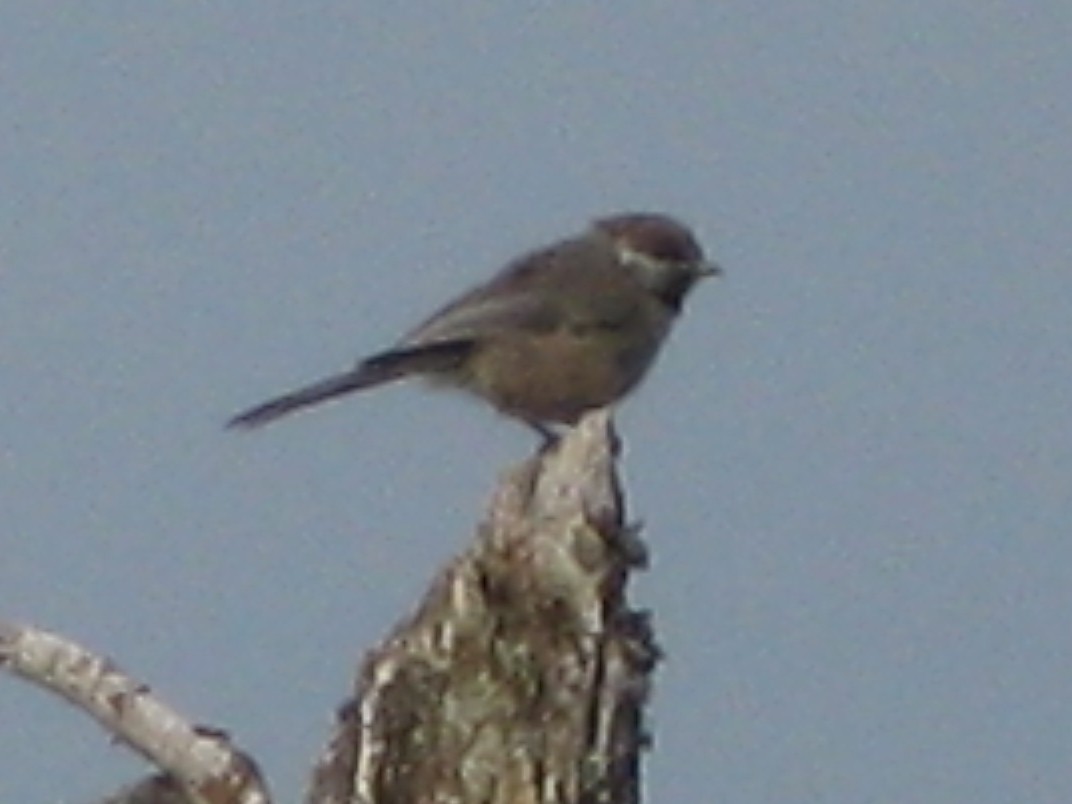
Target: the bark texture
(523, 674)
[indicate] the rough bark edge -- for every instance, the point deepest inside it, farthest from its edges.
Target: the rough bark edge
(523, 674)
(199, 763)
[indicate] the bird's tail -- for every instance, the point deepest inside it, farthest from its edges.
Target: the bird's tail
(322, 391)
(376, 370)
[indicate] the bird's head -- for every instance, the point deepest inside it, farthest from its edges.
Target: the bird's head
(663, 253)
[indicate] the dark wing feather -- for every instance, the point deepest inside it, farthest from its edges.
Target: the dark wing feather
(539, 292)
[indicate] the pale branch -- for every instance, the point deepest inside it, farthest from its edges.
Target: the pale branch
(523, 675)
(199, 764)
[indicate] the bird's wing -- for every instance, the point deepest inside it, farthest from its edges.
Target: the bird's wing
(481, 314)
(572, 284)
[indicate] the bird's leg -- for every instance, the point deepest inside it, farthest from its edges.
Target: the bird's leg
(548, 437)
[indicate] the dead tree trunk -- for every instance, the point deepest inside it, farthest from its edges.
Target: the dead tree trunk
(522, 676)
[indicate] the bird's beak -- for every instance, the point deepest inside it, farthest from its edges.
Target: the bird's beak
(706, 269)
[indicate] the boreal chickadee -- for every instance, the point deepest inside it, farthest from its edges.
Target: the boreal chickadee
(562, 330)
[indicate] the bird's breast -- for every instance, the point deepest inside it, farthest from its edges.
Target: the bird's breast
(556, 376)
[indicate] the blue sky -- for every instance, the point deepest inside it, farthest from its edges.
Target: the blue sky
(854, 460)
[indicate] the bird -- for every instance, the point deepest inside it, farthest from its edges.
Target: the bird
(564, 329)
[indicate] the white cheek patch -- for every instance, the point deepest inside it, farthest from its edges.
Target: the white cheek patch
(652, 273)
